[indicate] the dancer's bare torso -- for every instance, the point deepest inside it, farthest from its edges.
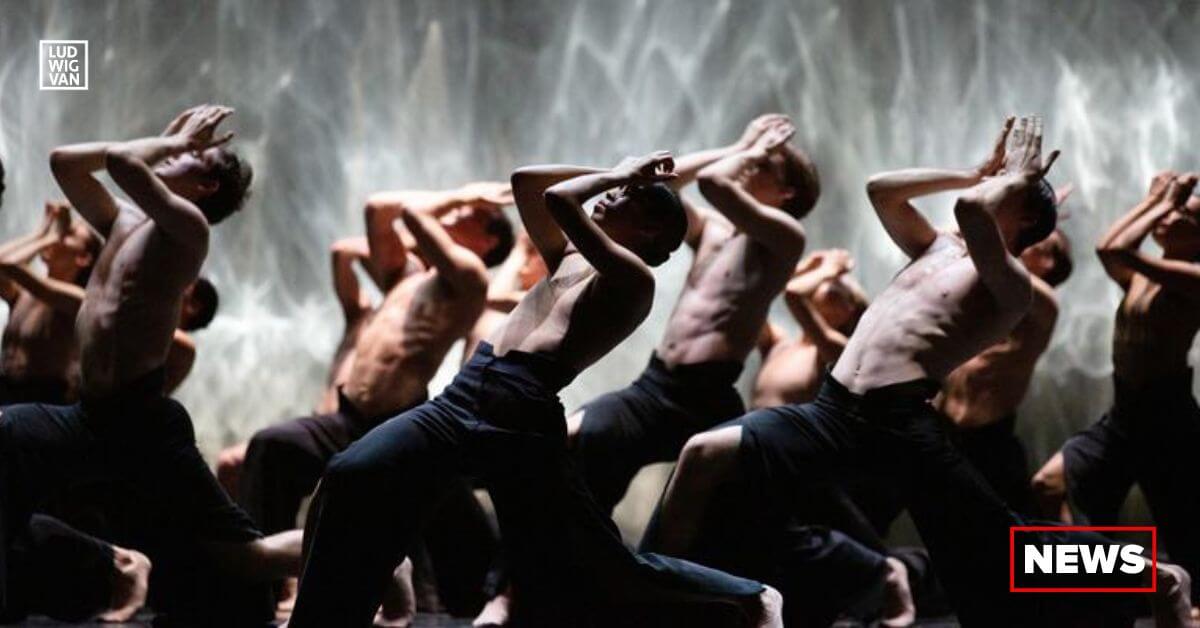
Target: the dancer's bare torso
(990, 386)
(38, 342)
(724, 303)
(575, 315)
(131, 309)
(791, 373)
(934, 315)
(1153, 333)
(404, 341)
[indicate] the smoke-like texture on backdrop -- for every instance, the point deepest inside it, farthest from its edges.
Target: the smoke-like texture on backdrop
(338, 99)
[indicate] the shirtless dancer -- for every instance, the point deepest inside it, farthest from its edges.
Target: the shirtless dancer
(962, 292)
(433, 295)
(501, 420)
(67, 574)
(981, 396)
(39, 358)
(356, 309)
(826, 302)
(745, 252)
(126, 434)
(1148, 436)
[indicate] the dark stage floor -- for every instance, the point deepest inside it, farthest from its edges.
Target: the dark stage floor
(444, 621)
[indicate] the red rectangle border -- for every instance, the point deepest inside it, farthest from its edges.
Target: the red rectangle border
(1012, 560)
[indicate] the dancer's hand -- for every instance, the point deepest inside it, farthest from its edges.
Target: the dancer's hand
(58, 219)
(830, 263)
(198, 128)
(758, 127)
(995, 162)
(651, 168)
(774, 138)
(1024, 155)
(836, 262)
(175, 125)
(487, 193)
(1176, 197)
(1160, 183)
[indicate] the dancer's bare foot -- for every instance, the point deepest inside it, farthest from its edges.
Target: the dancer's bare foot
(1172, 604)
(287, 599)
(898, 607)
(399, 607)
(771, 607)
(129, 587)
(495, 612)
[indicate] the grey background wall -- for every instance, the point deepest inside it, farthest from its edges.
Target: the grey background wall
(337, 99)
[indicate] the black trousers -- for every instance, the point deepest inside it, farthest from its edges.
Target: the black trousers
(894, 434)
(284, 462)
(1148, 438)
(58, 571)
(650, 420)
(501, 422)
(998, 455)
(137, 449)
(61, 572)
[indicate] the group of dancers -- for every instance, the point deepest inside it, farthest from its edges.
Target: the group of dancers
(773, 516)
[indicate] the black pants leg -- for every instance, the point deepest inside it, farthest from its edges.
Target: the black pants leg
(283, 464)
(59, 571)
(371, 505)
(166, 502)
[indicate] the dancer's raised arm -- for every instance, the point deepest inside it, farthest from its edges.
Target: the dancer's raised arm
(564, 203)
(723, 183)
(129, 164)
(529, 185)
(1120, 250)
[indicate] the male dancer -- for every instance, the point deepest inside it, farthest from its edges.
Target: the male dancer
(67, 574)
(501, 419)
(356, 308)
(745, 253)
(522, 270)
(827, 303)
(97, 578)
(39, 358)
(126, 434)
(1148, 436)
(961, 293)
(433, 295)
(981, 396)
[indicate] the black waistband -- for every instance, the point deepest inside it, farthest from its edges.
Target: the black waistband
(142, 389)
(347, 409)
(716, 373)
(890, 397)
(540, 368)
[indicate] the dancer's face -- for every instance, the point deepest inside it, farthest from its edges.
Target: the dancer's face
(1041, 259)
(835, 303)
(468, 226)
(625, 218)
(66, 258)
(190, 174)
(769, 185)
(1178, 233)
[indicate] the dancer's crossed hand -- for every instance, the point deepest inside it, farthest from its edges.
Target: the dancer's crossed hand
(197, 127)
